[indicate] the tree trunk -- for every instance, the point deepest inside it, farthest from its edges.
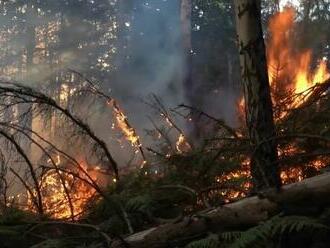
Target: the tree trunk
(303, 198)
(187, 79)
(30, 49)
(259, 113)
(186, 13)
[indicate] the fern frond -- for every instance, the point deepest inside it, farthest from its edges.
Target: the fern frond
(254, 237)
(210, 242)
(142, 203)
(261, 235)
(297, 224)
(230, 236)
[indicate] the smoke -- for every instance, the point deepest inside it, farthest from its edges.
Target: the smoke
(156, 63)
(136, 54)
(153, 64)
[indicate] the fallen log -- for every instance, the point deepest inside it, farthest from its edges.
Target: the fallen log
(308, 196)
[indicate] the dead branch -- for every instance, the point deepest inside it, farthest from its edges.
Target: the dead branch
(94, 90)
(20, 150)
(220, 122)
(66, 191)
(27, 187)
(17, 90)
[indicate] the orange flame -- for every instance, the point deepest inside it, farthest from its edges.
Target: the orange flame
(290, 75)
(55, 198)
(288, 69)
(123, 124)
(182, 145)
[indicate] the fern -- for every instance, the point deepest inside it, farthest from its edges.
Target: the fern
(230, 236)
(142, 203)
(254, 237)
(263, 234)
(210, 242)
(297, 224)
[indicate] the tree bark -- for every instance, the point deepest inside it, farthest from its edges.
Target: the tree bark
(29, 76)
(304, 197)
(258, 104)
(189, 86)
(185, 16)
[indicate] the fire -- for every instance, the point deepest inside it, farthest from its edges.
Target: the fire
(127, 130)
(123, 124)
(322, 74)
(288, 69)
(182, 145)
(291, 75)
(57, 187)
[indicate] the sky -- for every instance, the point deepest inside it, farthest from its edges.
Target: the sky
(283, 3)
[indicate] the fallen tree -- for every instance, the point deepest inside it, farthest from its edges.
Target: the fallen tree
(310, 196)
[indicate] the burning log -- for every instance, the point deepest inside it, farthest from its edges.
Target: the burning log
(309, 193)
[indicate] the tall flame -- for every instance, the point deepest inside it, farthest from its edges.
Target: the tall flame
(290, 74)
(289, 69)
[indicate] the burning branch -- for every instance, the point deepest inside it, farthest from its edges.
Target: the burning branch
(126, 128)
(122, 122)
(18, 91)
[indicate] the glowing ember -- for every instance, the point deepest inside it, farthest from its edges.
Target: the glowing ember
(123, 124)
(182, 145)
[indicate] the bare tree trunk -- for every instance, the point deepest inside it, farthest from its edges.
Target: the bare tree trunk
(259, 112)
(30, 49)
(186, 11)
(187, 80)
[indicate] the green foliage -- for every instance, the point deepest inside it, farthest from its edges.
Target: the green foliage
(229, 237)
(67, 243)
(49, 243)
(267, 234)
(13, 223)
(12, 215)
(210, 242)
(271, 231)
